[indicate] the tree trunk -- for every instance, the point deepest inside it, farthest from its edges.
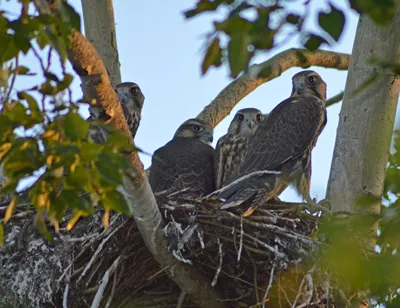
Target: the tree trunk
(367, 118)
(98, 16)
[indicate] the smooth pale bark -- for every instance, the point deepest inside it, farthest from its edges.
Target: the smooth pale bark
(98, 16)
(366, 118)
(259, 74)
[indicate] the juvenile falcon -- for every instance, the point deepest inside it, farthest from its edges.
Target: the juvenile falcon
(283, 142)
(132, 100)
(186, 162)
(231, 147)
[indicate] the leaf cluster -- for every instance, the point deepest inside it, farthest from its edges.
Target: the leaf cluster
(43, 139)
(256, 26)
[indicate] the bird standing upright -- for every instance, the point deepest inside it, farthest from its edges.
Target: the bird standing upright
(231, 147)
(186, 162)
(283, 142)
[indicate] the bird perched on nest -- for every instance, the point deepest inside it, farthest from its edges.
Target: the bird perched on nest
(231, 147)
(186, 162)
(132, 100)
(283, 142)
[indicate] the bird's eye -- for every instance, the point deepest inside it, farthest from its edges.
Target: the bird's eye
(259, 117)
(240, 117)
(312, 79)
(197, 128)
(134, 90)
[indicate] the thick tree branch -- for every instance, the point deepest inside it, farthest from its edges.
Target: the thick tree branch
(366, 118)
(98, 16)
(258, 74)
(97, 86)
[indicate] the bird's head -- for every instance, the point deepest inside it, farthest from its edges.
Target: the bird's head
(308, 83)
(195, 129)
(246, 121)
(130, 96)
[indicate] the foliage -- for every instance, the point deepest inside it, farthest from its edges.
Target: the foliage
(255, 26)
(42, 136)
(347, 257)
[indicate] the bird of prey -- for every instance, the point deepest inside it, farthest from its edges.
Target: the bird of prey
(283, 142)
(186, 162)
(231, 147)
(131, 99)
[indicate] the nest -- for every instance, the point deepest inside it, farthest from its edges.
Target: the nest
(250, 259)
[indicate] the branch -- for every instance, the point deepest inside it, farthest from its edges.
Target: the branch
(96, 85)
(98, 16)
(258, 74)
(334, 99)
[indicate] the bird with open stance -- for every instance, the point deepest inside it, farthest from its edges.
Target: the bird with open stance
(231, 147)
(185, 162)
(282, 143)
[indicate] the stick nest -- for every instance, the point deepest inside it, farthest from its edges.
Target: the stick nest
(246, 258)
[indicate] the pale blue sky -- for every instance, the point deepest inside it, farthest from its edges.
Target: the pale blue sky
(161, 52)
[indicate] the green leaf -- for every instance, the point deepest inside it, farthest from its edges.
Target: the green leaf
(212, 57)
(79, 178)
(114, 200)
(70, 15)
(205, 6)
(72, 200)
(238, 53)
(64, 83)
(293, 19)
(381, 11)
(40, 224)
(312, 42)
(75, 127)
(332, 22)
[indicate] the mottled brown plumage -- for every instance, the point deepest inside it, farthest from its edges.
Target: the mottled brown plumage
(132, 100)
(231, 147)
(283, 142)
(186, 162)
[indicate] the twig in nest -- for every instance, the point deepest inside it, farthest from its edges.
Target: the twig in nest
(241, 239)
(181, 299)
(110, 298)
(214, 282)
(98, 250)
(245, 177)
(271, 279)
(65, 296)
(309, 292)
(66, 291)
(104, 282)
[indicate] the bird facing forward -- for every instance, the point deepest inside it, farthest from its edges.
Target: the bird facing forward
(231, 147)
(283, 142)
(186, 162)
(132, 100)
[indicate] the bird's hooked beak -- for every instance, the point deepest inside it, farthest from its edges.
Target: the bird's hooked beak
(297, 85)
(209, 137)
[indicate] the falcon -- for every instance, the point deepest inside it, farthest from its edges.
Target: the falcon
(131, 99)
(283, 142)
(231, 147)
(186, 162)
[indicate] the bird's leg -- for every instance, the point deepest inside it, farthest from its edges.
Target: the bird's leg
(324, 205)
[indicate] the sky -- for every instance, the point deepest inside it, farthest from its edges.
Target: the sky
(162, 53)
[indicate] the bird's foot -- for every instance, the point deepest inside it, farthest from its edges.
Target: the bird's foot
(324, 205)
